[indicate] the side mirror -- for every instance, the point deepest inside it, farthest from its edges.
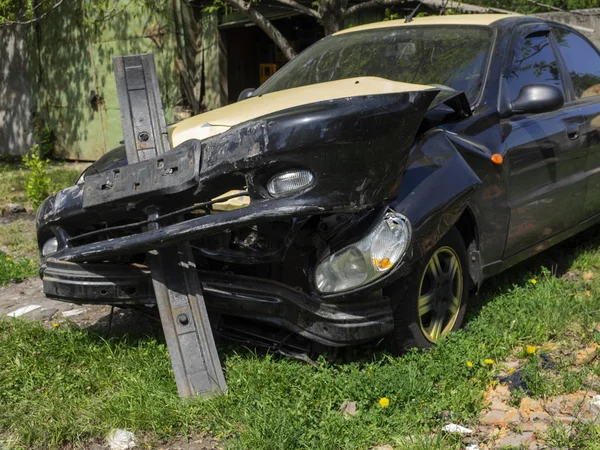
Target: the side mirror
(245, 94)
(537, 98)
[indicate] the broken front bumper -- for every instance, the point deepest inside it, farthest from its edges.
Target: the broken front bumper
(356, 149)
(357, 319)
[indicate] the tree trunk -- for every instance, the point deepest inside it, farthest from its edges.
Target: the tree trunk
(193, 45)
(273, 33)
(332, 16)
(187, 35)
(263, 23)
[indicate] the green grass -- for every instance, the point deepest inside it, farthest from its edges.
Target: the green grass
(18, 238)
(17, 233)
(16, 269)
(13, 177)
(65, 385)
(575, 436)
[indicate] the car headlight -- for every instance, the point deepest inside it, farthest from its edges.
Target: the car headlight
(290, 181)
(50, 246)
(367, 259)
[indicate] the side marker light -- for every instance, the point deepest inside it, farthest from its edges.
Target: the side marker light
(497, 158)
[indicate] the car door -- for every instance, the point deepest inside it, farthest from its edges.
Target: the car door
(545, 153)
(582, 62)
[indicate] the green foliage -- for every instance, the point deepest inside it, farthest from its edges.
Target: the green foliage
(15, 269)
(15, 179)
(23, 10)
(95, 11)
(389, 15)
(527, 7)
(44, 136)
(38, 181)
(574, 436)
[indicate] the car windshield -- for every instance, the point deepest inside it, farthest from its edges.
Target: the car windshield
(451, 56)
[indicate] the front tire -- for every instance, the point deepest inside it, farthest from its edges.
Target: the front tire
(432, 301)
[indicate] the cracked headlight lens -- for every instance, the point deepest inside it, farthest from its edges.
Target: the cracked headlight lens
(290, 181)
(367, 259)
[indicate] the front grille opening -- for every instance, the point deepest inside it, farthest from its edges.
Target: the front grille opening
(229, 201)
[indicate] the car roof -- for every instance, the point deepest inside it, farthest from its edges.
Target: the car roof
(456, 19)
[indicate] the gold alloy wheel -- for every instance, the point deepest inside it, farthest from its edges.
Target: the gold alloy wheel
(440, 294)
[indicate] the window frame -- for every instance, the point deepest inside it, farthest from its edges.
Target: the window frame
(574, 99)
(518, 36)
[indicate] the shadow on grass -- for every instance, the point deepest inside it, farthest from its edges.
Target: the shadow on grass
(558, 260)
(134, 325)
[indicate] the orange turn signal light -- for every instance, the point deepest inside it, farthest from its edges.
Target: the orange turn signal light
(497, 158)
(383, 264)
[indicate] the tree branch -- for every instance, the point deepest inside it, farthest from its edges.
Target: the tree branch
(111, 13)
(370, 4)
(300, 8)
(464, 7)
(264, 24)
(544, 5)
(35, 19)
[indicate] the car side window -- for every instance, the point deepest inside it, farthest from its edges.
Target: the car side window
(582, 61)
(533, 62)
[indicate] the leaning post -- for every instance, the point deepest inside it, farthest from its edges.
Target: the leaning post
(176, 284)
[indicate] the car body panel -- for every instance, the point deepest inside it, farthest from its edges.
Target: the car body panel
(546, 177)
(219, 120)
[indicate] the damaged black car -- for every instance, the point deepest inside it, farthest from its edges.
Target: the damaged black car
(361, 194)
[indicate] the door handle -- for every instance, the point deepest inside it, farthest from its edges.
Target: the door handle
(573, 132)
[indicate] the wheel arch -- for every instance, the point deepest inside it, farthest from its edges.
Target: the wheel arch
(469, 231)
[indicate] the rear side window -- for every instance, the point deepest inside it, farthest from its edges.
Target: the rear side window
(582, 61)
(533, 62)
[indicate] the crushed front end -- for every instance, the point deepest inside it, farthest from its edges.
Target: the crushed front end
(287, 214)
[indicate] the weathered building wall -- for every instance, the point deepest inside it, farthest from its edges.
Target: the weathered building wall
(586, 21)
(77, 92)
(16, 104)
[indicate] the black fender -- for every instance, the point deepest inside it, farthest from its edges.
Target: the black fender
(437, 187)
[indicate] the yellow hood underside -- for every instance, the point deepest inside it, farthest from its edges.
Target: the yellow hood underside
(220, 120)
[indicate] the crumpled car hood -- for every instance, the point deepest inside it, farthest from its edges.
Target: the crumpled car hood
(356, 148)
(220, 120)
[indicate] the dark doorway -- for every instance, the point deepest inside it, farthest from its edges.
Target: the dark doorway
(249, 50)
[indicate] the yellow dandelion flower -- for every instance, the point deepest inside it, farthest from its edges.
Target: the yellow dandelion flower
(533, 281)
(55, 325)
(384, 402)
(488, 361)
(530, 349)
(8, 258)
(511, 370)
(469, 364)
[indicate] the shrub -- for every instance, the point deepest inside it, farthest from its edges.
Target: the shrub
(38, 181)
(45, 139)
